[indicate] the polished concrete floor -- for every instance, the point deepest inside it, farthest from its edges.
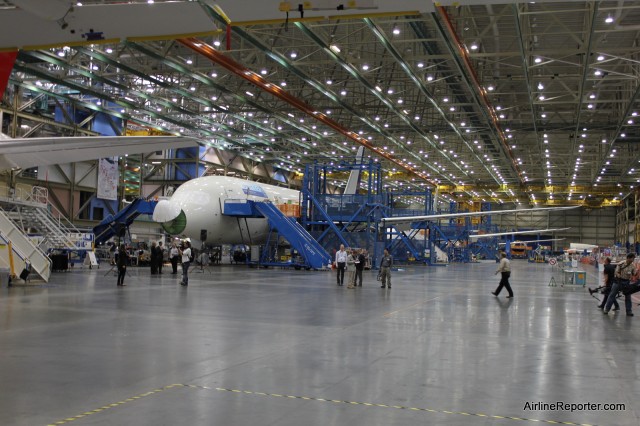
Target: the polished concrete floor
(246, 346)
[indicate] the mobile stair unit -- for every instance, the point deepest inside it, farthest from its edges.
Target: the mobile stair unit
(112, 225)
(23, 250)
(32, 213)
(314, 255)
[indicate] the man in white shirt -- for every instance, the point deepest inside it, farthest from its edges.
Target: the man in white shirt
(341, 263)
(505, 269)
(174, 256)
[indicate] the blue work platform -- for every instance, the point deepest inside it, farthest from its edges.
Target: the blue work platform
(112, 224)
(314, 254)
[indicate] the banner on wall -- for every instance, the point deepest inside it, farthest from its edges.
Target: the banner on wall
(108, 177)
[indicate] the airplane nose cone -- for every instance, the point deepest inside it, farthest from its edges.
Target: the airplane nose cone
(166, 211)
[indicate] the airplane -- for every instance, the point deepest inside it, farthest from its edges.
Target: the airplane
(580, 247)
(533, 231)
(433, 217)
(24, 153)
(195, 208)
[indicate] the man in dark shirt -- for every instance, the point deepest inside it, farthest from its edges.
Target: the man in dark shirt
(360, 261)
(385, 269)
(609, 272)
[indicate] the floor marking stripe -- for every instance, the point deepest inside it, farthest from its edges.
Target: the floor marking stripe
(116, 404)
(308, 398)
(399, 407)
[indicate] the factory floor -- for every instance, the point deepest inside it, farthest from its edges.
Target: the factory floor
(242, 346)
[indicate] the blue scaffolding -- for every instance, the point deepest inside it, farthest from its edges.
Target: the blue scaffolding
(355, 220)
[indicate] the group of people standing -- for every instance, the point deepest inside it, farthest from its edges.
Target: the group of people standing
(176, 254)
(353, 261)
(157, 258)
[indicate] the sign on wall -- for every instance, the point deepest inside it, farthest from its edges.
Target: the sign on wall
(108, 177)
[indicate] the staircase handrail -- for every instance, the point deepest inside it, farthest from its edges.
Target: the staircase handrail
(60, 217)
(16, 249)
(18, 194)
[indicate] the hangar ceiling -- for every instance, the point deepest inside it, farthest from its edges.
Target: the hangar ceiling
(530, 103)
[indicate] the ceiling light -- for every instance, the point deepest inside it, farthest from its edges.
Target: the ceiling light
(537, 60)
(365, 67)
(334, 48)
(293, 55)
(609, 19)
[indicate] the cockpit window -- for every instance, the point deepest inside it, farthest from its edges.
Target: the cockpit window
(177, 225)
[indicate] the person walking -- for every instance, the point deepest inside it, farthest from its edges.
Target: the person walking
(609, 276)
(624, 273)
(385, 269)
(174, 256)
(341, 264)
(123, 261)
(504, 267)
(360, 260)
(351, 269)
(186, 261)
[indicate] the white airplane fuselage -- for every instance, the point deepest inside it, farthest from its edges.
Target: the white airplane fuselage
(198, 205)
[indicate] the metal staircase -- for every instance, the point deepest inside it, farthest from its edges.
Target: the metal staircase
(24, 248)
(111, 224)
(32, 213)
(315, 256)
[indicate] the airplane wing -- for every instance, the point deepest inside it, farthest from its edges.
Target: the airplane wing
(433, 217)
(538, 241)
(40, 24)
(32, 152)
(534, 231)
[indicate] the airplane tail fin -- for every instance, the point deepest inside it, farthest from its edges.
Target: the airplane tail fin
(354, 176)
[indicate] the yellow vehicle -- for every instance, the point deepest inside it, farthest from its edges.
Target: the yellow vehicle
(518, 250)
